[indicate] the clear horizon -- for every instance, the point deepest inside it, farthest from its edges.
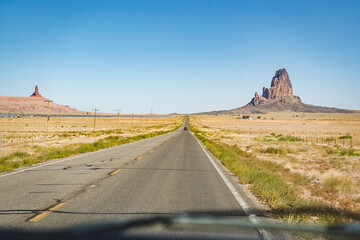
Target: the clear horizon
(179, 56)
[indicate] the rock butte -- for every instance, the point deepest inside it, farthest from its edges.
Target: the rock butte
(34, 104)
(279, 97)
(36, 93)
(280, 90)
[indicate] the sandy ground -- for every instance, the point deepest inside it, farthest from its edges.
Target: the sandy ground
(21, 134)
(317, 155)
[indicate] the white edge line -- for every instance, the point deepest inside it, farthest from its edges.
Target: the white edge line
(63, 160)
(253, 218)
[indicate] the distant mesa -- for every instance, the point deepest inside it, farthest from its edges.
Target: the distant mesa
(36, 93)
(34, 104)
(279, 97)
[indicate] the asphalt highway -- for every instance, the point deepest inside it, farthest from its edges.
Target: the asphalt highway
(158, 176)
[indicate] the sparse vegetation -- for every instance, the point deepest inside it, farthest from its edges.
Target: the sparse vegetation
(281, 138)
(302, 154)
(274, 150)
(329, 139)
(330, 151)
(269, 181)
(18, 159)
(350, 152)
(38, 147)
(339, 184)
(345, 137)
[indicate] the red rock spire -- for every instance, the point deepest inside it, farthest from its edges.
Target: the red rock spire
(280, 86)
(280, 90)
(36, 93)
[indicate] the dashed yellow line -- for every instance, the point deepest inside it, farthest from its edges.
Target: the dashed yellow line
(151, 150)
(42, 215)
(115, 172)
(139, 158)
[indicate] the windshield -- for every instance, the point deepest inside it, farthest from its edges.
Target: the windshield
(181, 119)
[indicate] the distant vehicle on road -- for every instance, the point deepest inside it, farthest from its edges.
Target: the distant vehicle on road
(185, 128)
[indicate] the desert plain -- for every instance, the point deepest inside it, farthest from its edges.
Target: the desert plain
(28, 135)
(316, 154)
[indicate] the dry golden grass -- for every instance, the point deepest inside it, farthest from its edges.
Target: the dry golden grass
(305, 144)
(21, 134)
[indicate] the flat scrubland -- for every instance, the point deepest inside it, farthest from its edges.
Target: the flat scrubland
(26, 141)
(304, 166)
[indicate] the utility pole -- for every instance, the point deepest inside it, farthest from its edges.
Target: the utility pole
(48, 115)
(118, 112)
(95, 110)
(151, 111)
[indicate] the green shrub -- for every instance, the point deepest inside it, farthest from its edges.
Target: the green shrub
(329, 151)
(329, 139)
(350, 152)
(340, 184)
(347, 136)
(281, 138)
(274, 150)
(15, 155)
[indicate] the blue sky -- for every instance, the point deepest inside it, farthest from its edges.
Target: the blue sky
(178, 56)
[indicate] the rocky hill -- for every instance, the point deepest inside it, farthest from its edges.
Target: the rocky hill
(279, 97)
(34, 104)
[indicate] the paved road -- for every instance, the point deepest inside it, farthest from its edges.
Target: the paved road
(157, 176)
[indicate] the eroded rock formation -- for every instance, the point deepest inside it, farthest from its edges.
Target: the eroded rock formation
(280, 86)
(36, 93)
(280, 89)
(35, 104)
(279, 97)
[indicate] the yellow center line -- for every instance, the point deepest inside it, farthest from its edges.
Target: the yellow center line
(139, 158)
(115, 172)
(42, 215)
(151, 150)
